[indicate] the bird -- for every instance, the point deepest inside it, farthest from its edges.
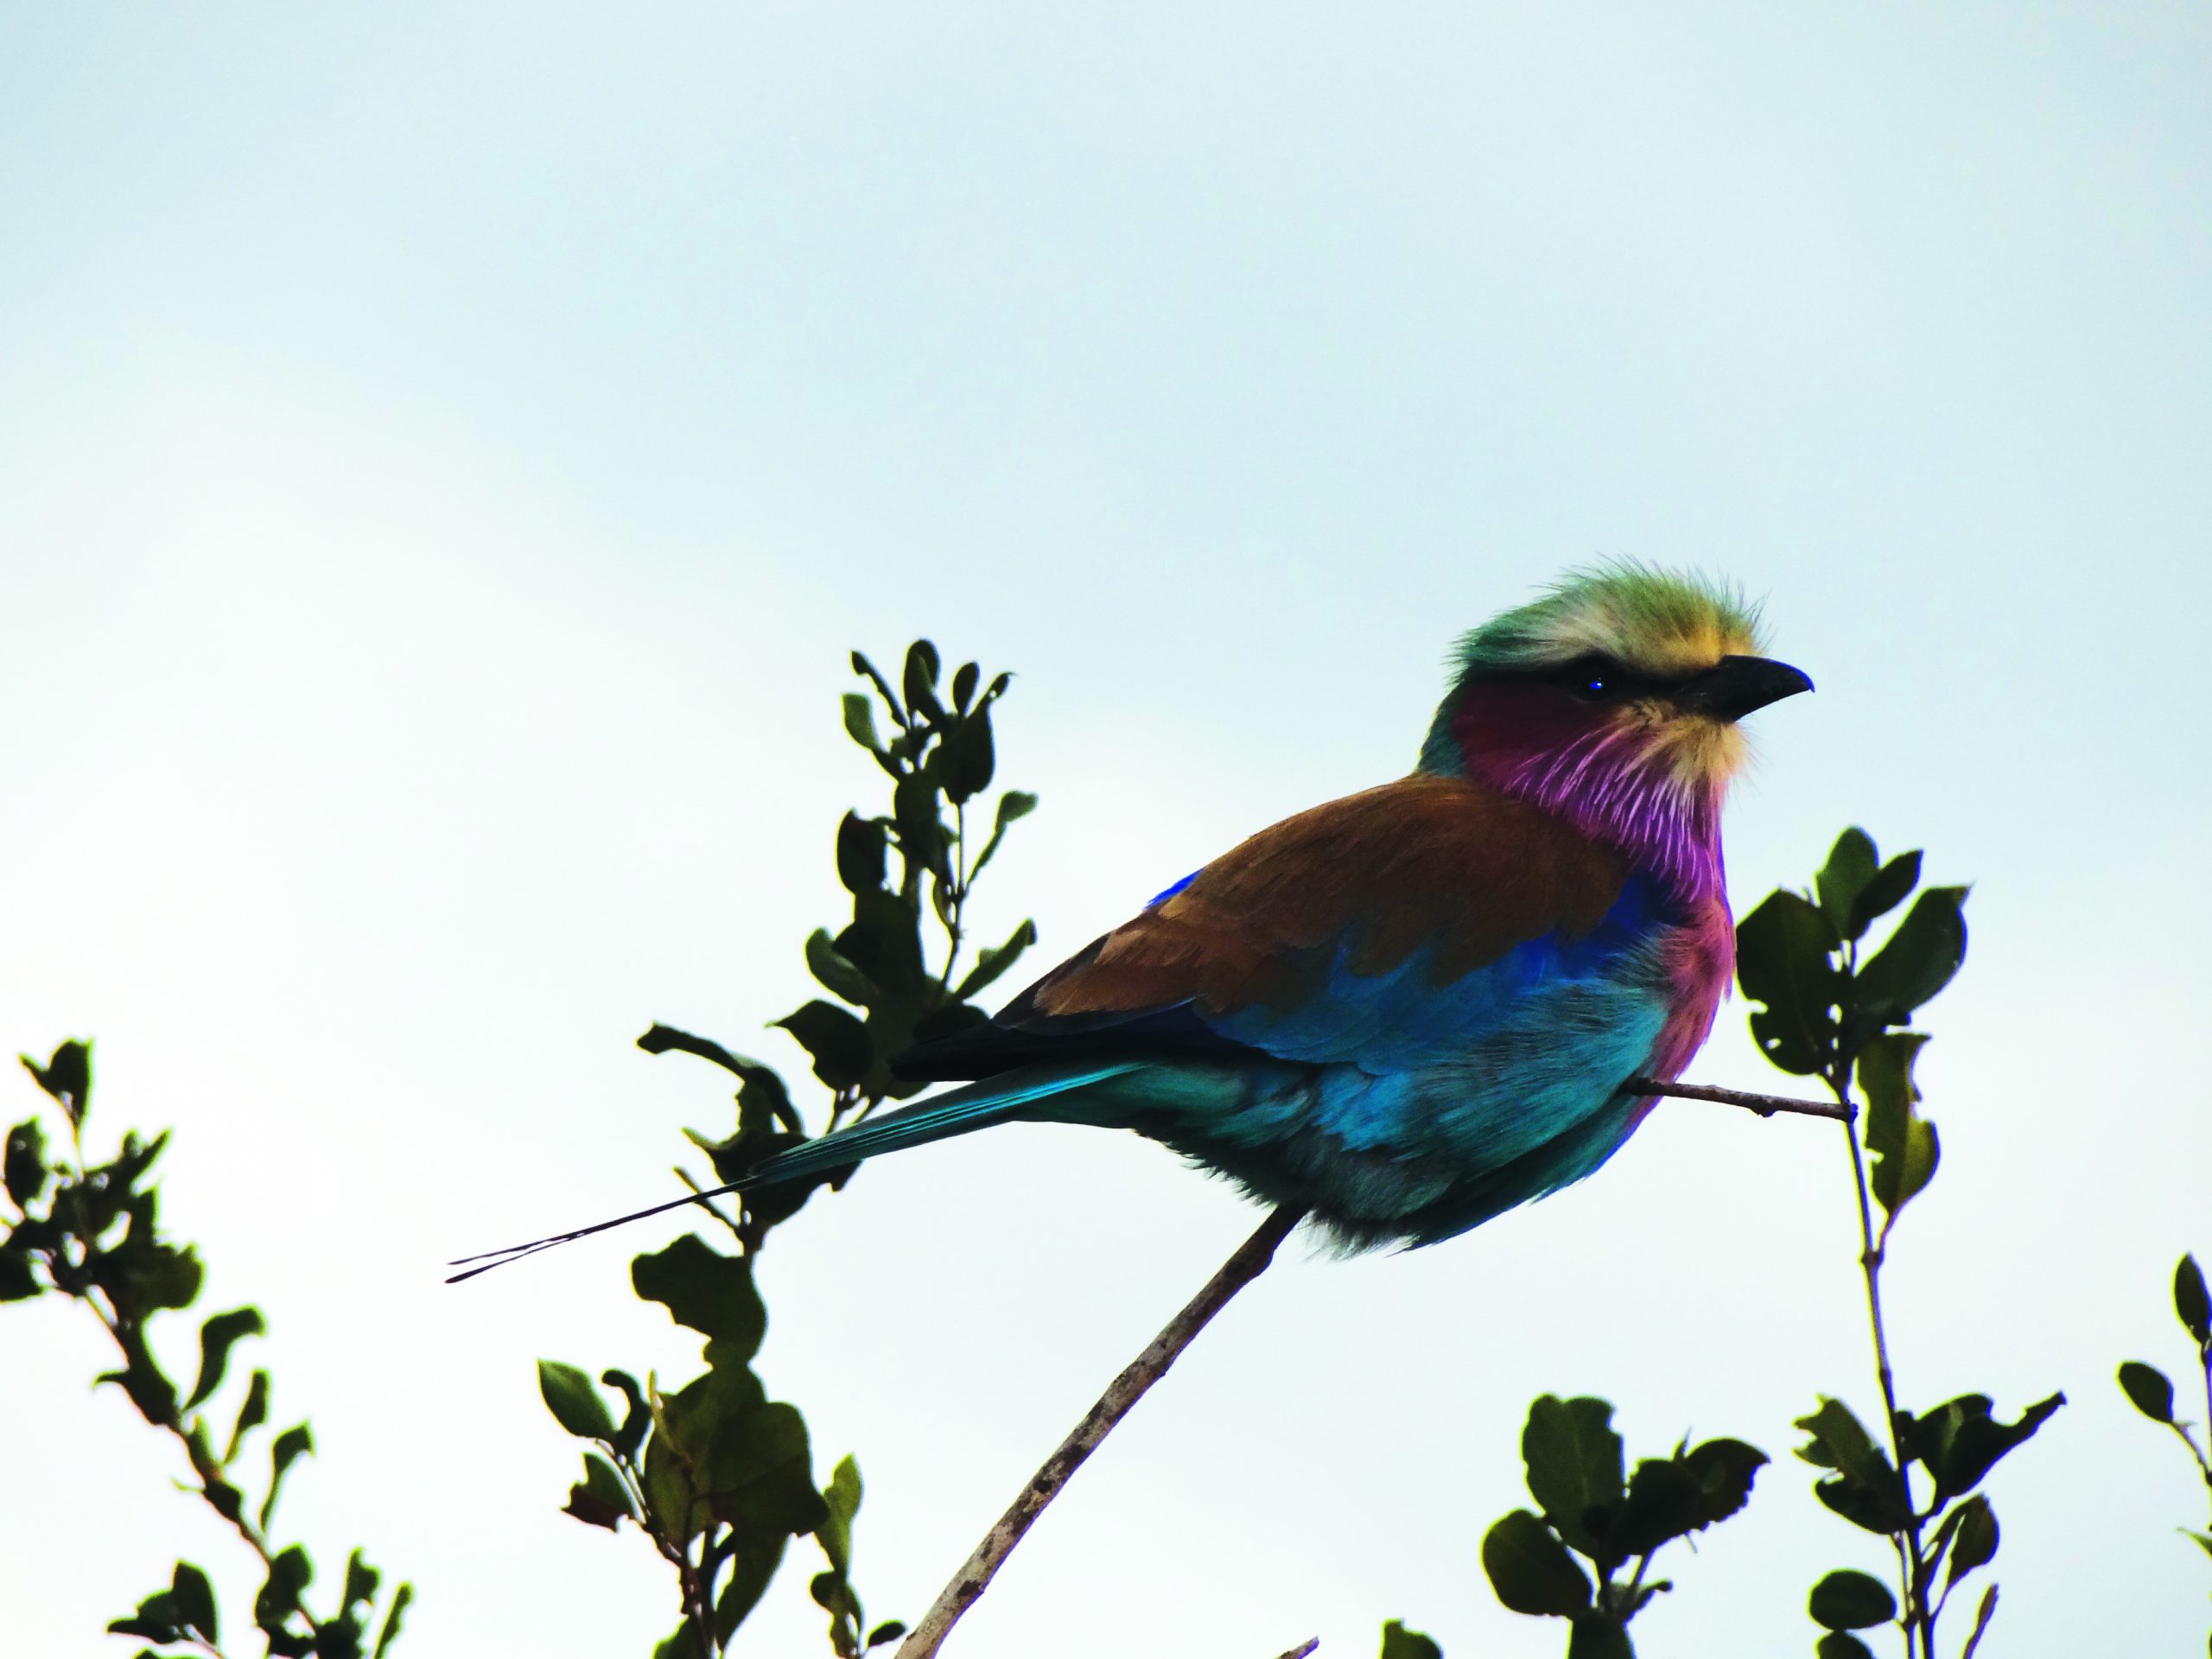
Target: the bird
(1405, 1011)
(1409, 1010)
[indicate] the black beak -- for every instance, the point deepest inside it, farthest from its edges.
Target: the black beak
(1734, 686)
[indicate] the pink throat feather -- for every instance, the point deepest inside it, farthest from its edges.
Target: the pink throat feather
(1610, 780)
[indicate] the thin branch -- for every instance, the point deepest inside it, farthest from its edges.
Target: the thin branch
(1764, 1105)
(975, 1576)
(1310, 1646)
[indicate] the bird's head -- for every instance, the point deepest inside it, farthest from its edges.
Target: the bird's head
(1613, 699)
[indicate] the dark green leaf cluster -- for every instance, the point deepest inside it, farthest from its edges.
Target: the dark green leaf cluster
(1588, 1505)
(2151, 1391)
(1800, 955)
(895, 973)
(718, 1476)
(1954, 1534)
(940, 757)
(90, 1231)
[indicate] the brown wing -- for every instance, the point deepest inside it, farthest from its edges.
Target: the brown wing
(1425, 860)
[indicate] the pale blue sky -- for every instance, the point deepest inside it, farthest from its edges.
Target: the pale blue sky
(445, 455)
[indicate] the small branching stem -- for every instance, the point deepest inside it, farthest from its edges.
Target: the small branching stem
(968, 1585)
(1917, 1616)
(1841, 1110)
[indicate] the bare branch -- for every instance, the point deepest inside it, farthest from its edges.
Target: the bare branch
(1764, 1105)
(975, 1576)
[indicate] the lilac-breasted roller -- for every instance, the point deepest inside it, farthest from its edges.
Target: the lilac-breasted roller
(1410, 1009)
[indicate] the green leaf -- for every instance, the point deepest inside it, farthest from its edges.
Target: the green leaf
(289, 1447)
(760, 1475)
(1959, 1442)
(157, 1620)
(1723, 1470)
(1530, 1569)
(891, 1630)
(144, 1275)
(1895, 1181)
(68, 1076)
(860, 722)
(225, 1499)
(968, 759)
(360, 1583)
(194, 1600)
(2203, 1540)
(837, 1041)
(834, 972)
(217, 1338)
(24, 1166)
(1974, 1543)
(636, 1420)
(995, 962)
(964, 685)
(861, 853)
(865, 668)
(922, 835)
(1573, 1459)
(1866, 1490)
(1982, 1616)
(400, 1599)
(1891, 883)
(290, 1575)
(1849, 1600)
(751, 1572)
(920, 681)
(251, 1414)
(831, 1593)
(885, 942)
(1399, 1642)
(576, 1404)
(1840, 1644)
(843, 1498)
(671, 1502)
(1904, 1145)
(1665, 1501)
(600, 1499)
(1918, 962)
(705, 1290)
(1884, 1072)
(750, 1072)
(1594, 1636)
(1014, 804)
(1840, 1442)
(1783, 959)
(1850, 867)
(2191, 1304)
(2150, 1390)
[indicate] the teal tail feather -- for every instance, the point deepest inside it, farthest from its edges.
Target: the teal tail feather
(1009, 1097)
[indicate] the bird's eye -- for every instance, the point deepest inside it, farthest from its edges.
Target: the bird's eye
(1597, 685)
